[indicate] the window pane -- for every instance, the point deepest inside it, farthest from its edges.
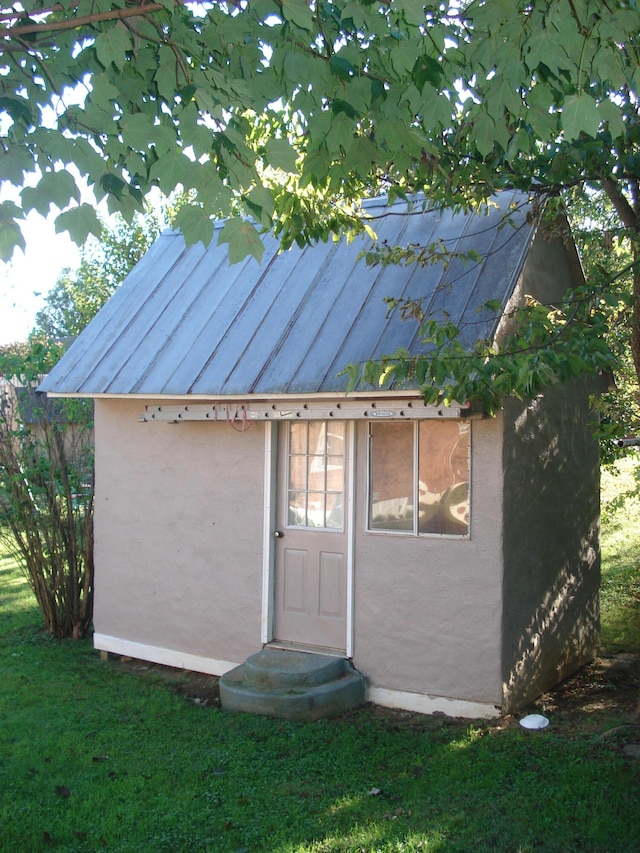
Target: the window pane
(298, 438)
(391, 477)
(335, 438)
(443, 477)
(317, 436)
(335, 511)
(298, 472)
(297, 515)
(316, 479)
(315, 509)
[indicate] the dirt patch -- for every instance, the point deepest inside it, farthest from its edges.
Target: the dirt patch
(602, 699)
(196, 687)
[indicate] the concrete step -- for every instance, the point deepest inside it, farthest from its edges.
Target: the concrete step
(292, 685)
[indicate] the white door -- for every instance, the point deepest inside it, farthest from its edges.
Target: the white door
(311, 543)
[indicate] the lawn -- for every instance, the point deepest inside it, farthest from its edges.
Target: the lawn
(97, 756)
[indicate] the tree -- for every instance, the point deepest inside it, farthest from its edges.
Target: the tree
(46, 489)
(79, 294)
(46, 446)
(290, 111)
(608, 261)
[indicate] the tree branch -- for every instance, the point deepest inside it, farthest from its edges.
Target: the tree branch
(142, 9)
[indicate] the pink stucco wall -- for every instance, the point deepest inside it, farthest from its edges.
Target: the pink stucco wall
(178, 533)
(179, 527)
(428, 610)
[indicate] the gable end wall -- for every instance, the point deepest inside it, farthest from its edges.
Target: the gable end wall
(551, 515)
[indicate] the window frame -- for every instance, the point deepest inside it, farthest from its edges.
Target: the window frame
(415, 532)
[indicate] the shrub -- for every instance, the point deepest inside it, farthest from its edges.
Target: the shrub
(46, 489)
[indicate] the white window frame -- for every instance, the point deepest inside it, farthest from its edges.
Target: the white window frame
(415, 532)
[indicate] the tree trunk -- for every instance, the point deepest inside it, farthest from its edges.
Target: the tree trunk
(628, 210)
(635, 311)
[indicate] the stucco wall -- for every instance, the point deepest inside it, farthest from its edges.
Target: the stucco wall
(551, 541)
(178, 534)
(428, 610)
(551, 511)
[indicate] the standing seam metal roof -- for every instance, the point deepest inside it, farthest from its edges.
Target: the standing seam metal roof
(185, 321)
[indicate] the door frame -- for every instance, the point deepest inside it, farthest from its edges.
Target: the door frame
(269, 528)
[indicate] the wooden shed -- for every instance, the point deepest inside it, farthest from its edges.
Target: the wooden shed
(245, 502)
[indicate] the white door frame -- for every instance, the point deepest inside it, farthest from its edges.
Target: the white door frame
(268, 539)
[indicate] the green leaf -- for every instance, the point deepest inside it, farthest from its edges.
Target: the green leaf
(340, 106)
(137, 130)
(281, 155)
(260, 204)
(112, 46)
(341, 67)
(612, 115)
(316, 164)
(426, 70)
(165, 76)
(413, 12)
(502, 96)
(18, 109)
(340, 137)
(173, 170)
(403, 56)
(58, 188)
(10, 234)
(298, 12)
(484, 133)
(103, 92)
(353, 374)
(579, 115)
(243, 240)
(112, 184)
(541, 48)
(79, 222)
(193, 221)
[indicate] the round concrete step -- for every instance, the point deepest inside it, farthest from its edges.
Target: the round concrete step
(288, 701)
(281, 668)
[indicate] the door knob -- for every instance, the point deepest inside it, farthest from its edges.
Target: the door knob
(278, 534)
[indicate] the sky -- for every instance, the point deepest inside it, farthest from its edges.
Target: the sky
(26, 279)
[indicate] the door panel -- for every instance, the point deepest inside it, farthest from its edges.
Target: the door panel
(311, 548)
(332, 573)
(293, 576)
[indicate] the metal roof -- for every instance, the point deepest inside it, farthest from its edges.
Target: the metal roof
(186, 322)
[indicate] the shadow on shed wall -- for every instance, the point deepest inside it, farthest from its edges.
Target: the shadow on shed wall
(551, 542)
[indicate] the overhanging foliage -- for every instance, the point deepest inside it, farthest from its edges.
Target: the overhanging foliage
(289, 111)
(280, 108)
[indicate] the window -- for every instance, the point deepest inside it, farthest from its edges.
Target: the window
(316, 474)
(419, 477)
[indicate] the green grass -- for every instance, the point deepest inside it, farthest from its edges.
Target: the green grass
(620, 591)
(93, 757)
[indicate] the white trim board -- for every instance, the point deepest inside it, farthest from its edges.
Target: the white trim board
(421, 703)
(399, 699)
(157, 654)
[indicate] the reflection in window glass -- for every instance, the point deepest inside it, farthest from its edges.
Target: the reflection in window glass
(443, 477)
(316, 474)
(391, 499)
(419, 477)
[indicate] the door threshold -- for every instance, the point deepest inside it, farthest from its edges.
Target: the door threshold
(301, 647)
